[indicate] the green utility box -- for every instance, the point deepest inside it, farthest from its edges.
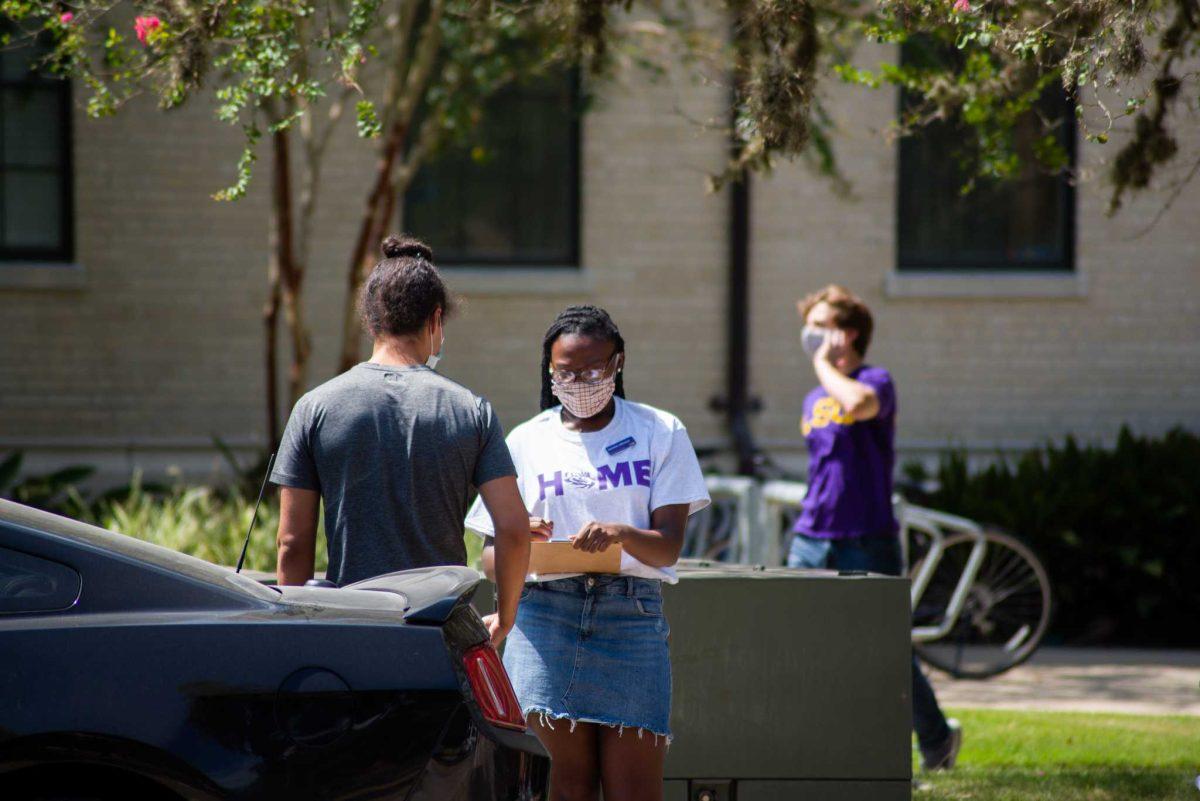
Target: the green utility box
(787, 685)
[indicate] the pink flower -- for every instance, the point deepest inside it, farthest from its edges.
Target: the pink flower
(962, 6)
(142, 26)
(66, 17)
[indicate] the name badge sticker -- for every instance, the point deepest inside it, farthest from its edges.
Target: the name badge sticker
(621, 445)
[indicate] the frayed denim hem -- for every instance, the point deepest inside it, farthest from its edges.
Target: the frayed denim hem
(546, 718)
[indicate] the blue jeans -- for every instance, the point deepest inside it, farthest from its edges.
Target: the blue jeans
(878, 555)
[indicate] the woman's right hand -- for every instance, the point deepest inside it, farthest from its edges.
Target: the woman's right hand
(540, 529)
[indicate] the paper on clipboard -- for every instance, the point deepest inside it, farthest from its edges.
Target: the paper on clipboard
(560, 556)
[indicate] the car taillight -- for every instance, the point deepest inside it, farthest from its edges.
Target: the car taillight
(493, 691)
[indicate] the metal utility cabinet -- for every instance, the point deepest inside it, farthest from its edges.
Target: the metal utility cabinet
(789, 684)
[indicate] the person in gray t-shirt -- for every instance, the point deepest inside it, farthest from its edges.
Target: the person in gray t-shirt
(393, 449)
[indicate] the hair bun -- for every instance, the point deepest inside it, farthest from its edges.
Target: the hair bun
(396, 247)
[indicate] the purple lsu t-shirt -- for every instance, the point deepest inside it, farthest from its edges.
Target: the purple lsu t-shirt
(850, 463)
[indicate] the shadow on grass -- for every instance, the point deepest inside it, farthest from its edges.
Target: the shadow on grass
(1059, 784)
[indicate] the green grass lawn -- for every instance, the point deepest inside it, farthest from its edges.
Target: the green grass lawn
(1067, 756)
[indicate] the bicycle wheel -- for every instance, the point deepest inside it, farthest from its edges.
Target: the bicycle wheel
(1005, 616)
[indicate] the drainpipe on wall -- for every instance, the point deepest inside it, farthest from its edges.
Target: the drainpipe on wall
(737, 403)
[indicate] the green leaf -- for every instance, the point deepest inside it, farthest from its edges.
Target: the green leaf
(8, 470)
(367, 120)
(68, 475)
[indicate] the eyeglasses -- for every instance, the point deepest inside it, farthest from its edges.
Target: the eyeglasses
(588, 376)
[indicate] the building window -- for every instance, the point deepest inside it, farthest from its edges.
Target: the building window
(1025, 223)
(510, 197)
(35, 159)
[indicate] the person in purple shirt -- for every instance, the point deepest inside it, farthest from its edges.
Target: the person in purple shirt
(846, 521)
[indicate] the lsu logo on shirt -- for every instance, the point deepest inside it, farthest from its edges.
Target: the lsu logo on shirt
(825, 412)
(578, 478)
(629, 473)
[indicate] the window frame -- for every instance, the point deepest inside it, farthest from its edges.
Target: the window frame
(943, 265)
(65, 252)
(573, 260)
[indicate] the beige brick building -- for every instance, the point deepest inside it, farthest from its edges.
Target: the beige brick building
(147, 342)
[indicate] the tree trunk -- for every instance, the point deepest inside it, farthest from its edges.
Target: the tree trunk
(291, 272)
(403, 99)
(271, 323)
(376, 216)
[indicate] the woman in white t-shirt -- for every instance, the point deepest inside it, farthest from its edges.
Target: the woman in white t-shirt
(588, 654)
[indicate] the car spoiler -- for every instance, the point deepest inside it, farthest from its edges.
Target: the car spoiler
(433, 593)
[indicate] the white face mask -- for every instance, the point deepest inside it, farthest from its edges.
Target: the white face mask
(585, 400)
(434, 358)
(811, 339)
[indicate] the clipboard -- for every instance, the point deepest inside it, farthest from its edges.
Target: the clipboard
(562, 557)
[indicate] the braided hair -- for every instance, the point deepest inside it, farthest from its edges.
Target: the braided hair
(588, 320)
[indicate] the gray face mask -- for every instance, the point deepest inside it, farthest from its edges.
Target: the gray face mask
(811, 339)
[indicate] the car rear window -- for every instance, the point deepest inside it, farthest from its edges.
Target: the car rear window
(196, 569)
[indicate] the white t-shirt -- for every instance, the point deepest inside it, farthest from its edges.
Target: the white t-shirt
(641, 461)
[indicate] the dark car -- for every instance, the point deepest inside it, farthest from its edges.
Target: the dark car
(131, 671)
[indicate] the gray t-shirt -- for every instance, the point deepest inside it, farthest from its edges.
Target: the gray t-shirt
(394, 452)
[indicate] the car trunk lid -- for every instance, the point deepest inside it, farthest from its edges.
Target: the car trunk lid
(431, 593)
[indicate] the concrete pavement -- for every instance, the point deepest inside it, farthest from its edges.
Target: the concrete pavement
(1086, 680)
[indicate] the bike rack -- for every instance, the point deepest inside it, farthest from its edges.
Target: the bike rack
(745, 494)
(777, 496)
(758, 537)
(935, 525)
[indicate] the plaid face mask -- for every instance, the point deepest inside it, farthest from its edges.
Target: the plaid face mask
(585, 400)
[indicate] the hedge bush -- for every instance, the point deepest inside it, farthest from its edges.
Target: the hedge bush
(206, 522)
(1118, 529)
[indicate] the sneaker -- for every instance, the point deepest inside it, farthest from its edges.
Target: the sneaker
(945, 757)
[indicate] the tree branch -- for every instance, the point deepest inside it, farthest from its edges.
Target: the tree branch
(401, 45)
(1176, 191)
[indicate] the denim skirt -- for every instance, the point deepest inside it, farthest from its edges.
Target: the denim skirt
(593, 649)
